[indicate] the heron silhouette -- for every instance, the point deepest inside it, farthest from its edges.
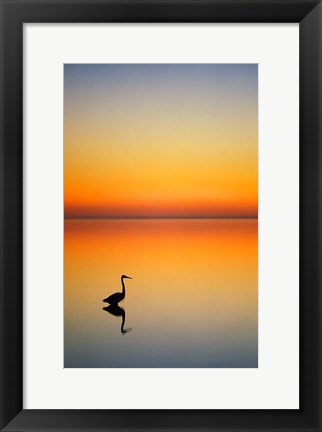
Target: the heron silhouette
(115, 298)
(116, 310)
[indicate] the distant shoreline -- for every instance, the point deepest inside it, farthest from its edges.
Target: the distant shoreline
(157, 217)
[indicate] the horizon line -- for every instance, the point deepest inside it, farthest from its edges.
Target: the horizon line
(160, 217)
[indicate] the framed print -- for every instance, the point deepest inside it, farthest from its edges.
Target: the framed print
(160, 215)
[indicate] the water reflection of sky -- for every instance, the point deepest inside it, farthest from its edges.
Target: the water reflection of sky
(192, 301)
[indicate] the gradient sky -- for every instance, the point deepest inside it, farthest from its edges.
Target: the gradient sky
(160, 140)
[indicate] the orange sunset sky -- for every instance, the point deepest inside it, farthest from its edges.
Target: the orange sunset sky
(160, 140)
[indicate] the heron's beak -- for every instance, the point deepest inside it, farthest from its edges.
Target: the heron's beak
(128, 277)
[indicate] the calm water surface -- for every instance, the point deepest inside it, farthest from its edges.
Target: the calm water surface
(192, 301)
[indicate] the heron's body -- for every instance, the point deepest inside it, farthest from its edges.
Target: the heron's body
(115, 298)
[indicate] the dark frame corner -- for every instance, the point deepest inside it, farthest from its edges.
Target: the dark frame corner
(16, 12)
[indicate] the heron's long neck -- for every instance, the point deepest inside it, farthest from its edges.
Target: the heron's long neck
(123, 288)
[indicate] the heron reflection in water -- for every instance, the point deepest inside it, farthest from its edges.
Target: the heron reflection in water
(116, 310)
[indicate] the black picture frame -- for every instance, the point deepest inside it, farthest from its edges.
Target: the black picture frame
(16, 12)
